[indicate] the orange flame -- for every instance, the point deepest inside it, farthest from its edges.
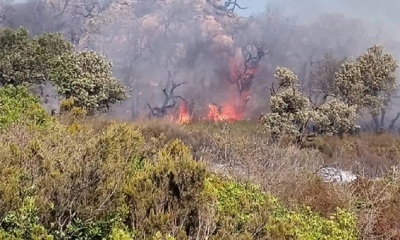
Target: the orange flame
(227, 113)
(239, 93)
(183, 113)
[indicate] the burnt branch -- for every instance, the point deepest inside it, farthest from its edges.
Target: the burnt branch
(6, 6)
(272, 89)
(250, 64)
(234, 4)
(153, 111)
(60, 8)
(260, 53)
(87, 9)
(219, 107)
(169, 101)
(393, 122)
(325, 96)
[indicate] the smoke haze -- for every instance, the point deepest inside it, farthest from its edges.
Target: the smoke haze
(202, 43)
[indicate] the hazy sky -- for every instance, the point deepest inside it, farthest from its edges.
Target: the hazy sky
(254, 6)
(386, 12)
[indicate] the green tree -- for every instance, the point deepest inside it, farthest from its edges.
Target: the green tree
(291, 111)
(29, 61)
(18, 104)
(84, 76)
(88, 80)
(368, 82)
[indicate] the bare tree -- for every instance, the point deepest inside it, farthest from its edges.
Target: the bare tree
(233, 4)
(5, 7)
(243, 76)
(90, 8)
(169, 101)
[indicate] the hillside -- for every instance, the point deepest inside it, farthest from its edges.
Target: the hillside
(179, 120)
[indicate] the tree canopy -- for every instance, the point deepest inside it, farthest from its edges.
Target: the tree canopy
(32, 61)
(366, 83)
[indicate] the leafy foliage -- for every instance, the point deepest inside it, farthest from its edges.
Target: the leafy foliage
(246, 203)
(368, 81)
(108, 184)
(337, 117)
(23, 223)
(18, 104)
(290, 109)
(304, 224)
(26, 60)
(89, 81)
(67, 107)
(85, 76)
(30, 61)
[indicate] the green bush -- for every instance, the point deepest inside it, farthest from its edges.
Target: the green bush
(248, 213)
(63, 183)
(305, 224)
(18, 104)
(23, 224)
(75, 177)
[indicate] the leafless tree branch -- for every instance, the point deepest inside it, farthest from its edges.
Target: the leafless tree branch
(169, 101)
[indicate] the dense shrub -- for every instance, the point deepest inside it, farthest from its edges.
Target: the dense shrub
(18, 104)
(78, 183)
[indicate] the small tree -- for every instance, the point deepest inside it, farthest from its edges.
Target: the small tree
(322, 76)
(88, 80)
(29, 61)
(368, 82)
(291, 111)
(84, 76)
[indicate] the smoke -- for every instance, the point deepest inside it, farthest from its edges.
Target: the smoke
(196, 40)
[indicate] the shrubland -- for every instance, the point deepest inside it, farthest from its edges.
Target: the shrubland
(64, 182)
(79, 176)
(92, 178)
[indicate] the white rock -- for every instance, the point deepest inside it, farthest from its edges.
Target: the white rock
(331, 174)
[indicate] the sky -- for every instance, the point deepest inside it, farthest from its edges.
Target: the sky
(387, 11)
(254, 6)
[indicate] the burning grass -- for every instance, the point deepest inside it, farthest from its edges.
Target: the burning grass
(236, 81)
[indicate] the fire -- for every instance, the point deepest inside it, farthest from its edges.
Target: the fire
(240, 78)
(184, 116)
(226, 113)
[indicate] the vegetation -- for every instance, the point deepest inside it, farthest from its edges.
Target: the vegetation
(76, 174)
(114, 180)
(18, 104)
(367, 83)
(110, 181)
(291, 111)
(84, 76)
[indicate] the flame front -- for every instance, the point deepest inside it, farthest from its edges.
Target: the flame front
(184, 116)
(226, 113)
(241, 75)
